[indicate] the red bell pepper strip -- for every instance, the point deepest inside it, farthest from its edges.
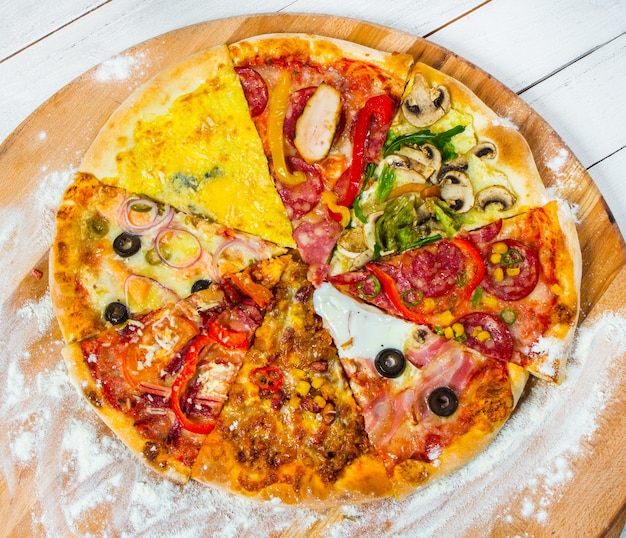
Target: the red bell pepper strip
(189, 368)
(379, 108)
(228, 338)
(473, 275)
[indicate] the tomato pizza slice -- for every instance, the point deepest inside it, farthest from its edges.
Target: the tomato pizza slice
(430, 404)
(322, 108)
(159, 381)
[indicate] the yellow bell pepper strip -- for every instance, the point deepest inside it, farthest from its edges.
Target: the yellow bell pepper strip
(279, 101)
(330, 199)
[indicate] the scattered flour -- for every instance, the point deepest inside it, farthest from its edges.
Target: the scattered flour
(122, 67)
(557, 162)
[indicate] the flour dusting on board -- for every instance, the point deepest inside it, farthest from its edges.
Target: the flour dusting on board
(81, 472)
(122, 67)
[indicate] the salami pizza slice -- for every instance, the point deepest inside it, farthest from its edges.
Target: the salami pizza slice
(322, 107)
(117, 256)
(429, 403)
(449, 164)
(509, 290)
(160, 380)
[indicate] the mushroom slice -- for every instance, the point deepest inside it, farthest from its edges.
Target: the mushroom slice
(484, 150)
(457, 191)
(425, 105)
(405, 173)
(496, 194)
(316, 126)
(426, 159)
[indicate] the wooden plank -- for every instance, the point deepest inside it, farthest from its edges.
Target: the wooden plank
(520, 43)
(614, 192)
(28, 21)
(585, 102)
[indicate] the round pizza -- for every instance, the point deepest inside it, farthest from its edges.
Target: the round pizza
(299, 269)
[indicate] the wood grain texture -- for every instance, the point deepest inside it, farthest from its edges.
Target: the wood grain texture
(72, 117)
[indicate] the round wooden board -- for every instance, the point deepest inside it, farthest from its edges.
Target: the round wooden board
(72, 118)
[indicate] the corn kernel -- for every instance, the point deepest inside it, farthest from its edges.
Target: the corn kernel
(294, 402)
(448, 332)
(498, 274)
(556, 289)
(447, 318)
(476, 331)
(512, 271)
(317, 382)
(483, 336)
(429, 304)
(303, 388)
(495, 258)
(320, 401)
(499, 248)
(489, 301)
(298, 373)
(458, 329)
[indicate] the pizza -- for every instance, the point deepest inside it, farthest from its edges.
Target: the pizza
(299, 269)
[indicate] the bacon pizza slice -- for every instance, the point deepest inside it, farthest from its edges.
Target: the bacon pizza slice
(118, 255)
(430, 404)
(322, 108)
(449, 164)
(159, 381)
(509, 290)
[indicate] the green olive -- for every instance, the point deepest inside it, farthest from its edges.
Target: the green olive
(152, 257)
(97, 226)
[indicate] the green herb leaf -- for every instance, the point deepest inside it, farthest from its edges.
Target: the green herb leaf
(442, 141)
(385, 183)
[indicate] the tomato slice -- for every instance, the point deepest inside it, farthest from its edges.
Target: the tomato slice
(161, 338)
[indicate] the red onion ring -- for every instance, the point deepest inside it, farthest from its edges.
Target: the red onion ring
(255, 249)
(162, 232)
(156, 220)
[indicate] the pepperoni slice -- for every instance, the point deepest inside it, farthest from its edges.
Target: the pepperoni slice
(515, 275)
(486, 233)
(435, 272)
(297, 102)
(301, 198)
(488, 335)
(254, 88)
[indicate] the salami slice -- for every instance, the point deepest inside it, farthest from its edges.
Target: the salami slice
(301, 198)
(513, 273)
(488, 335)
(316, 240)
(254, 89)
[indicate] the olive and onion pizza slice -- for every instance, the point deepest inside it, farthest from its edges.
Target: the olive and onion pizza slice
(160, 380)
(429, 403)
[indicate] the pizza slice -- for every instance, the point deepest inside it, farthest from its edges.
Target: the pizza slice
(186, 139)
(430, 404)
(508, 290)
(291, 429)
(322, 108)
(160, 380)
(449, 164)
(118, 256)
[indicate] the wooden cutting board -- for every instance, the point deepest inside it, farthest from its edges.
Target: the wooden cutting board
(72, 118)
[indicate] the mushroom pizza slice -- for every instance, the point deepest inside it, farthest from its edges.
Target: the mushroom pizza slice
(449, 164)
(430, 404)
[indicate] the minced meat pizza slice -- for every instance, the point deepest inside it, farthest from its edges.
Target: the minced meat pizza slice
(449, 164)
(322, 108)
(509, 290)
(291, 429)
(118, 255)
(430, 404)
(159, 381)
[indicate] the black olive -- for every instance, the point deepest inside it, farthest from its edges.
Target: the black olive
(126, 244)
(201, 284)
(116, 313)
(390, 362)
(443, 401)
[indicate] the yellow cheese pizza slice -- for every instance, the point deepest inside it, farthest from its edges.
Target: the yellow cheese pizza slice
(186, 138)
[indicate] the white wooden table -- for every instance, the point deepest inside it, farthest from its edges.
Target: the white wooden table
(566, 58)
